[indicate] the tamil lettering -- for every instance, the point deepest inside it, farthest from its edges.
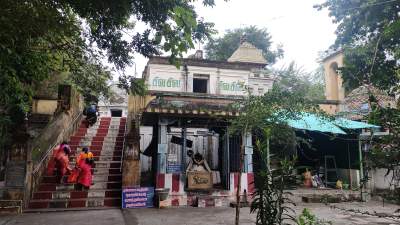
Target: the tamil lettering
(137, 197)
(170, 82)
(232, 86)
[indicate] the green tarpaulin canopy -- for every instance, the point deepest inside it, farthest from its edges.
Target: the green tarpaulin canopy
(308, 121)
(351, 124)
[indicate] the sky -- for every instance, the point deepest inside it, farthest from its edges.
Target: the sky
(302, 30)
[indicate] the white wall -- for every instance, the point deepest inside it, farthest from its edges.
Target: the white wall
(165, 78)
(146, 135)
(258, 83)
(379, 180)
(221, 81)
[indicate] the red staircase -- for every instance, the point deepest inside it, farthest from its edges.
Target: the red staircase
(105, 140)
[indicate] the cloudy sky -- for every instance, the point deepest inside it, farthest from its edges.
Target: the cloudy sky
(302, 30)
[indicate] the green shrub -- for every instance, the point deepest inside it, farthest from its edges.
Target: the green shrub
(307, 218)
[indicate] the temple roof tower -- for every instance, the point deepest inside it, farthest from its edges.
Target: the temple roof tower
(248, 53)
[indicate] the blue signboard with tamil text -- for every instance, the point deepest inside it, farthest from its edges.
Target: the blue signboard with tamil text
(140, 197)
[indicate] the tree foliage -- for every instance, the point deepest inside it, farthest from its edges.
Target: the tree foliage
(295, 79)
(385, 150)
(368, 33)
(269, 113)
(272, 203)
(221, 48)
(42, 38)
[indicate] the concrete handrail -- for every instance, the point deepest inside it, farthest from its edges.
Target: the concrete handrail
(44, 157)
(123, 146)
(19, 204)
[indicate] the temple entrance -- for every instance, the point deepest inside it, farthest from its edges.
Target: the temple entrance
(116, 112)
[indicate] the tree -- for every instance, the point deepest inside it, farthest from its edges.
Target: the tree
(267, 113)
(64, 36)
(223, 47)
(385, 150)
(294, 78)
(271, 202)
(368, 34)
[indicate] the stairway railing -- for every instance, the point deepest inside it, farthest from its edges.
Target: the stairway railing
(123, 146)
(65, 132)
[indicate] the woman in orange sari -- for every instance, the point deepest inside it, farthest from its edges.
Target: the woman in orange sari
(85, 173)
(85, 154)
(57, 152)
(62, 163)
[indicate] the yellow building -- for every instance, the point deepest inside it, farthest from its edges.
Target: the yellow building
(354, 104)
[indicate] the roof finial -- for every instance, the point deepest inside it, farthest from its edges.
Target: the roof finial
(243, 38)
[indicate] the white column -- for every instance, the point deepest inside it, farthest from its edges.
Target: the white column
(162, 146)
(248, 151)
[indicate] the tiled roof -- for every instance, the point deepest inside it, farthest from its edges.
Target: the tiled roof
(356, 104)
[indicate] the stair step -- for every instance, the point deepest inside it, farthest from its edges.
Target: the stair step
(43, 210)
(105, 146)
(97, 153)
(117, 126)
(103, 164)
(103, 139)
(73, 203)
(97, 149)
(98, 146)
(106, 129)
(100, 193)
(80, 136)
(106, 170)
(85, 143)
(71, 187)
(99, 158)
(96, 178)
(79, 149)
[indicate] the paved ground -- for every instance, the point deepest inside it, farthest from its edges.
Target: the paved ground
(97, 217)
(193, 216)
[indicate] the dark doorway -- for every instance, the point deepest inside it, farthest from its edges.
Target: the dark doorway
(116, 112)
(200, 85)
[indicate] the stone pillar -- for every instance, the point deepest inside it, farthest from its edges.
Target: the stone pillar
(217, 87)
(131, 157)
(131, 161)
(248, 153)
(189, 82)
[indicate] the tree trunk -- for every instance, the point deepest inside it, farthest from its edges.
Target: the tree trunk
(239, 186)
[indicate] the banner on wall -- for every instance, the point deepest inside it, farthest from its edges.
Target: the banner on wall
(141, 197)
(173, 166)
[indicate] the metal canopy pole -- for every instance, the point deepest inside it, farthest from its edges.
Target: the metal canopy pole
(349, 163)
(268, 156)
(184, 151)
(361, 160)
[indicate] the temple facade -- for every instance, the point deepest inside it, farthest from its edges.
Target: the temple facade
(185, 147)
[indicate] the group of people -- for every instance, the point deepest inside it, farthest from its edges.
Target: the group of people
(59, 165)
